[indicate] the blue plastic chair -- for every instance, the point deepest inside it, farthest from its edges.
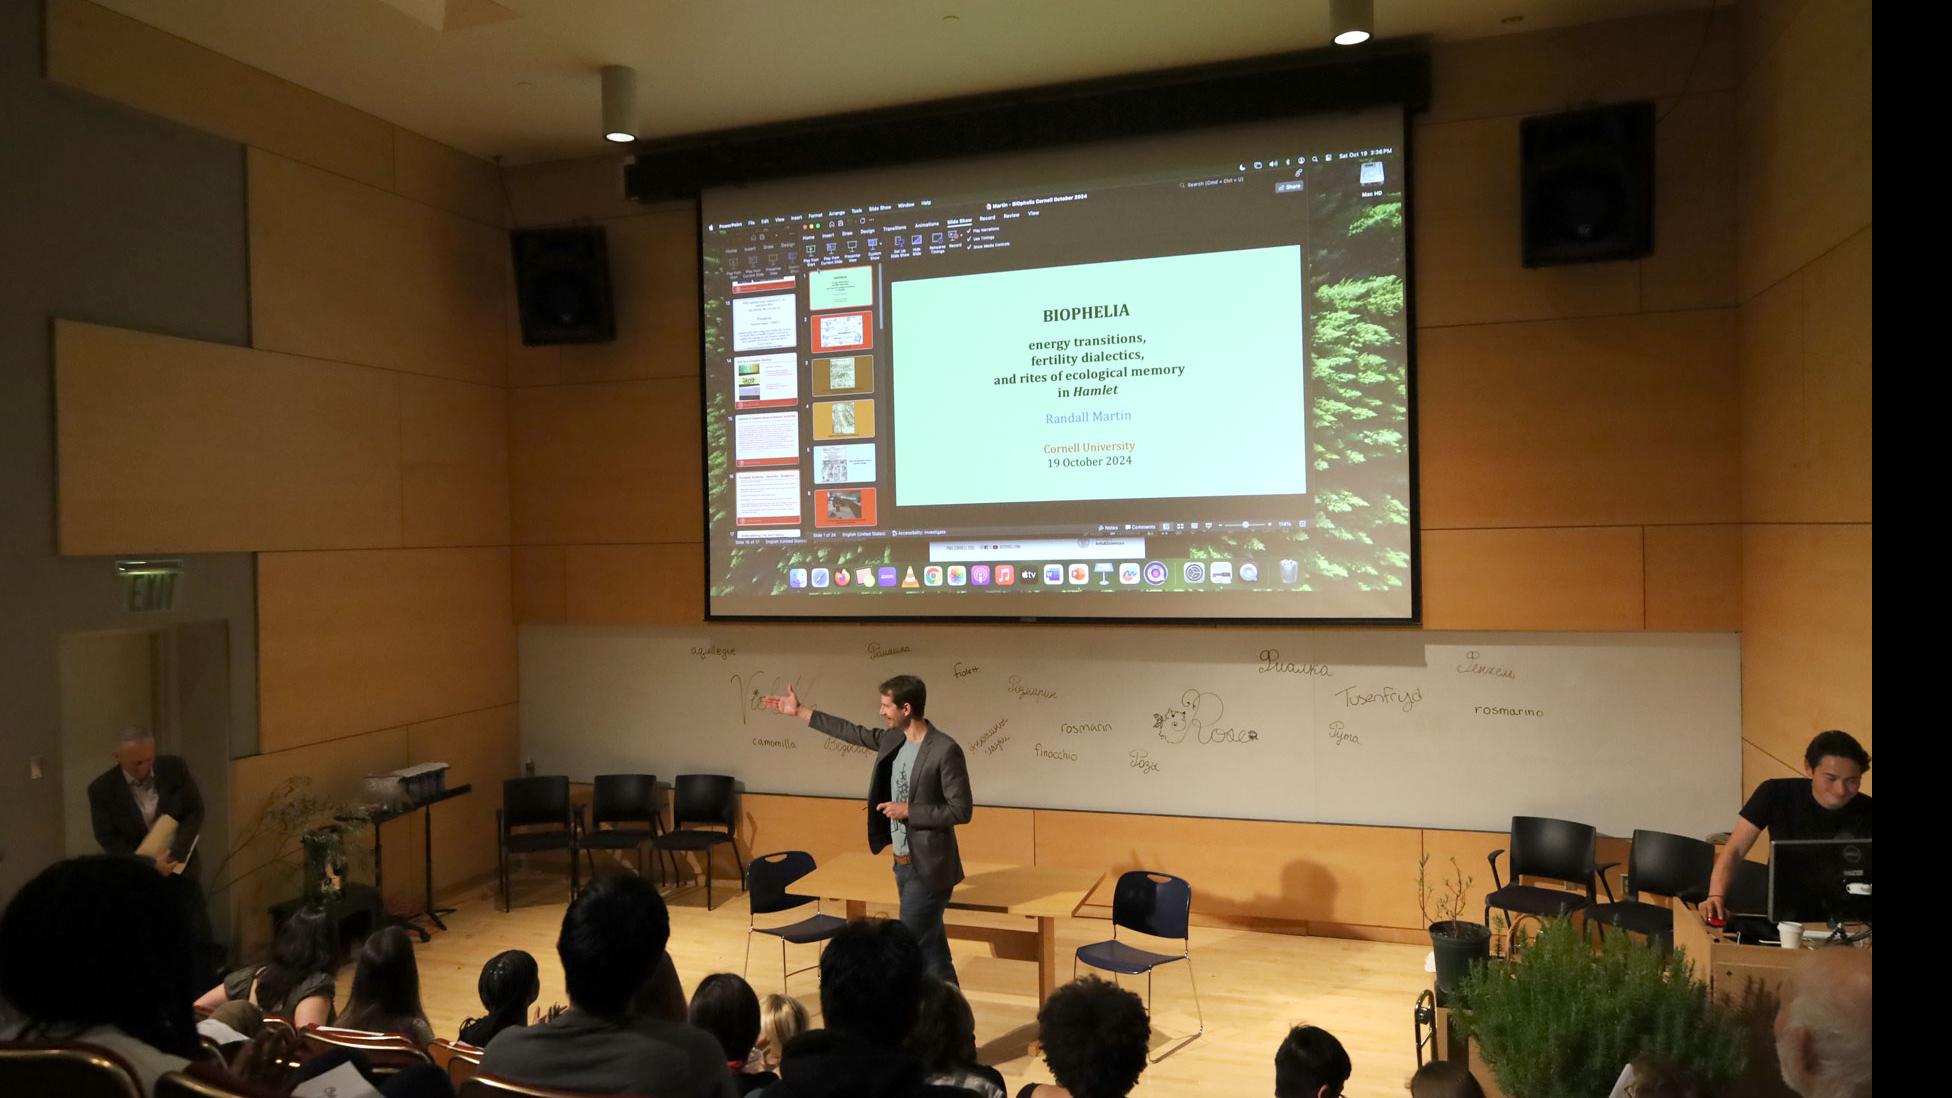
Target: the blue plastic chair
(1157, 904)
(767, 881)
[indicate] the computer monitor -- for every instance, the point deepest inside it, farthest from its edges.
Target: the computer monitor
(1820, 880)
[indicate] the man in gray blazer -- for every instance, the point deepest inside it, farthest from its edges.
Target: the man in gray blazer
(917, 795)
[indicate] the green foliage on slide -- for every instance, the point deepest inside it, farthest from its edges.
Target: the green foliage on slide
(1359, 419)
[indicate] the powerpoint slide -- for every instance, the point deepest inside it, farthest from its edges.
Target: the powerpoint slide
(1134, 379)
(841, 332)
(843, 374)
(771, 498)
(852, 463)
(762, 323)
(765, 381)
(841, 288)
(843, 419)
(768, 438)
(843, 507)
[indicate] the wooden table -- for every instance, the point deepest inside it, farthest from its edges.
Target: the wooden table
(1043, 893)
(1727, 965)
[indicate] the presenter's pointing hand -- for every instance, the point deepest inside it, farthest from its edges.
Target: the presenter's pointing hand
(787, 704)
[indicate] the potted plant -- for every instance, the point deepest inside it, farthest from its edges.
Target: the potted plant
(1563, 1018)
(300, 833)
(1457, 942)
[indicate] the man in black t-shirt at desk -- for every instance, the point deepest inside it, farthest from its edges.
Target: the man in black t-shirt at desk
(1824, 805)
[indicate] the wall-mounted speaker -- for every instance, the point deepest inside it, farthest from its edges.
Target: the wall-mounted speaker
(1588, 185)
(562, 285)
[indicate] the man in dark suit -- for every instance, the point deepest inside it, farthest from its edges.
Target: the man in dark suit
(127, 799)
(917, 795)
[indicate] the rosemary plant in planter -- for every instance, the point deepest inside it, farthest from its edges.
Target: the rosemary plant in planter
(1458, 943)
(1563, 1018)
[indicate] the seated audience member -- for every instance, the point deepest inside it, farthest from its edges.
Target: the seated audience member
(944, 1039)
(231, 1024)
(725, 1007)
(870, 989)
(1823, 1028)
(1823, 804)
(97, 950)
(1444, 1079)
(386, 989)
(1310, 1064)
(613, 936)
(1095, 1036)
(298, 983)
(662, 998)
(348, 1073)
(510, 984)
(781, 1018)
(269, 1060)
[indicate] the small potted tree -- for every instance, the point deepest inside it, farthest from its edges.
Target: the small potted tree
(1457, 942)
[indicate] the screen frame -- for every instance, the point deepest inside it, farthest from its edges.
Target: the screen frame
(1406, 105)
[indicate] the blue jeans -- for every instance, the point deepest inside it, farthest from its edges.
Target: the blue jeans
(921, 913)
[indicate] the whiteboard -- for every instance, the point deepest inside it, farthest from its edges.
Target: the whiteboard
(1389, 727)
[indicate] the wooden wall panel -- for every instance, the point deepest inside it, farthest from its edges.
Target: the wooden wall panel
(454, 462)
(1806, 640)
(353, 641)
(541, 582)
(1693, 265)
(1309, 872)
(1609, 421)
(176, 445)
(1804, 141)
(1805, 366)
(345, 271)
(104, 53)
(482, 749)
(636, 584)
(609, 463)
(428, 171)
(1582, 578)
(1611, 62)
(1694, 578)
(557, 192)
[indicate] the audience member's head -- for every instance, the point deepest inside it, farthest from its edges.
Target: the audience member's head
(101, 941)
(781, 1018)
(1310, 1064)
(510, 983)
(1444, 1079)
(944, 1037)
(871, 981)
(307, 943)
(269, 1059)
(1823, 1029)
(1095, 1036)
(385, 984)
(725, 1007)
(1654, 1077)
(612, 937)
